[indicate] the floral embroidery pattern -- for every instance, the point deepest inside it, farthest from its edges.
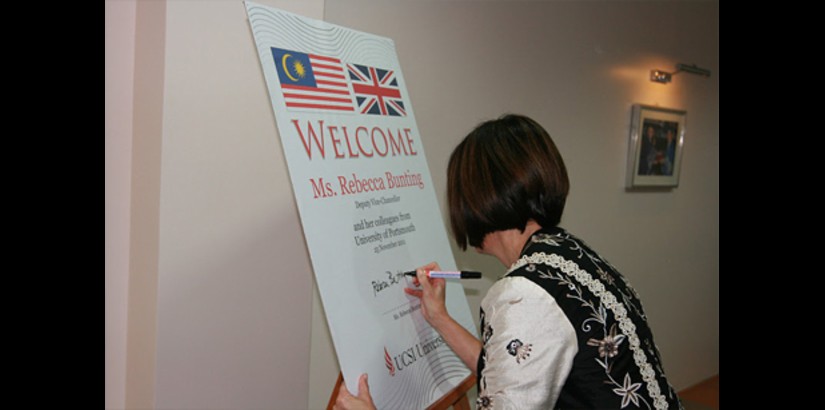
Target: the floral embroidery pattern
(609, 346)
(486, 334)
(519, 350)
(598, 314)
(604, 276)
(596, 259)
(487, 329)
(545, 239)
(629, 302)
(608, 301)
(628, 392)
(484, 402)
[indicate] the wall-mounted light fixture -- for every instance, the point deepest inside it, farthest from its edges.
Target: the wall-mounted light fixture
(664, 77)
(660, 76)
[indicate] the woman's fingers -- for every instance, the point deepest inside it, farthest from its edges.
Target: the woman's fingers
(364, 389)
(343, 397)
(414, 292)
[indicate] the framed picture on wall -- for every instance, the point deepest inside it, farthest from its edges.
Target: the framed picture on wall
(655, 153)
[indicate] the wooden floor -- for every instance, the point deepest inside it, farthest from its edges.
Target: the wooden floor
(701, 396)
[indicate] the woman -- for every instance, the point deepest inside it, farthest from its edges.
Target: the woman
(562, 328)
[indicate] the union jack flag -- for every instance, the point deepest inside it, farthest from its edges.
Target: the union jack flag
(376, 91)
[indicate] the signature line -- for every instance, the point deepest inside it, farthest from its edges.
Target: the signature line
(397, 307)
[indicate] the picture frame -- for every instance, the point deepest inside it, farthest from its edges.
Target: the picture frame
(657, 135)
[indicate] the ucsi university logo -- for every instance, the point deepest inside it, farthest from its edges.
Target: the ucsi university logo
(388, 362)
(409, 356)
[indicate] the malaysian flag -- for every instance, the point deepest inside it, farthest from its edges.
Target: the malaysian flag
(313, 82)
(376, 90)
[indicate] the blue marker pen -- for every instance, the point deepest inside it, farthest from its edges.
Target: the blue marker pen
(464, 274)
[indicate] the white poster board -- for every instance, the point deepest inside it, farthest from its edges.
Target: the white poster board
(365, 196)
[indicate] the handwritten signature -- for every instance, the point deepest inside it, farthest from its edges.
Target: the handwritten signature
(393, 279)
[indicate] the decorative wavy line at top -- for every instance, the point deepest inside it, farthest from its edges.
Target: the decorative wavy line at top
(272, 27)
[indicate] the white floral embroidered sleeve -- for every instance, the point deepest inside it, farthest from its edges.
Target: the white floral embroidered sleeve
(524, 364)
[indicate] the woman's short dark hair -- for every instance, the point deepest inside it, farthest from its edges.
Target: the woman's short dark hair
(504, 173)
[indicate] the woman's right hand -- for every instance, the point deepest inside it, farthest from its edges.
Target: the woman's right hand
(431, 291)
(433, 308)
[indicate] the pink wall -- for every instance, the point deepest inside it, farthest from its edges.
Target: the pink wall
(119, 78)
